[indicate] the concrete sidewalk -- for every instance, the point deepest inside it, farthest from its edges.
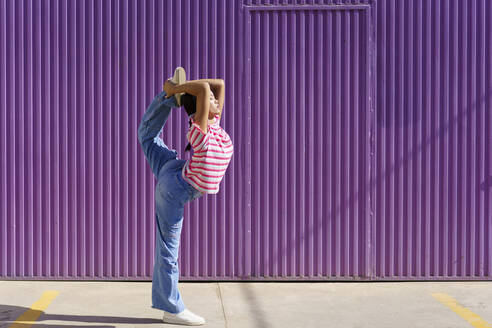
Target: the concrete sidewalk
(258, 305)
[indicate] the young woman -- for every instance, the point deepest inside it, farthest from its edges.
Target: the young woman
(180, 181)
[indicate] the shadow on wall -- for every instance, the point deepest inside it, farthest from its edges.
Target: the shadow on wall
(400, 162)
(487, 183)
(9, 313)
(403, 118)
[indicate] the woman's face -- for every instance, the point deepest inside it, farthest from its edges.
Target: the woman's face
(214, 104)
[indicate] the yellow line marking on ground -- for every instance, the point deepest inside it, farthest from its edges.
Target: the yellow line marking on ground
(27, 318)
(462, 311)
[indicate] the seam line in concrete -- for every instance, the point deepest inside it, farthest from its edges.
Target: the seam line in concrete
(222, 304)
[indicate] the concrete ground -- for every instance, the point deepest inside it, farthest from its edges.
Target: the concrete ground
(259, 304)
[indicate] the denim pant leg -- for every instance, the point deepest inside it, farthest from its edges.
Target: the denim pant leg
(165, 295)
(165, 292)
(170, 197)
(155, 150)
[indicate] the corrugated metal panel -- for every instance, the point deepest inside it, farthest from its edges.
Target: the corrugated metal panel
(76, 197)
(306, 2)
(308, 95)
(434, 155)
(398, 188)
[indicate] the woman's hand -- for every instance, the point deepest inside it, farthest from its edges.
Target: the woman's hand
(168, 87)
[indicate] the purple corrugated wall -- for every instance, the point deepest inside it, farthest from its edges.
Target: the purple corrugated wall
(77, 194)
(361, 131)
(433, 185)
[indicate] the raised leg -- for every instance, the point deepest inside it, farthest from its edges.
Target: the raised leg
(155, 117)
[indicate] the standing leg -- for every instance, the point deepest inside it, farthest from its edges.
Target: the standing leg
(155, 150)
(171, 195)
(165, 293)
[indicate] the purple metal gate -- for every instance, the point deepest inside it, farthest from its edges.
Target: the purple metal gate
(307, 103)
(360, 129)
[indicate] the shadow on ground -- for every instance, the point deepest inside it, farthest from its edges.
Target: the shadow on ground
(255, 308)
(9, 313)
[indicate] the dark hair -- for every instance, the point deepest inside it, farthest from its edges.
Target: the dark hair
(189, 104)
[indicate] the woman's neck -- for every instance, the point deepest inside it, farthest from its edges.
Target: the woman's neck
(210, 120)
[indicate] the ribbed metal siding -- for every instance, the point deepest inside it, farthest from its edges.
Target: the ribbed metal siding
(434, 145)
(76, 195)
(307, 91)
(298, 3)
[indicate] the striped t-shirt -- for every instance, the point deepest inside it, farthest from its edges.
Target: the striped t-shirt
(212, 153)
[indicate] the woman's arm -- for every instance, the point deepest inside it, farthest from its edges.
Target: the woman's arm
(199, 89)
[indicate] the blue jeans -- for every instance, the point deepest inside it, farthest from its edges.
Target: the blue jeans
(172, 192)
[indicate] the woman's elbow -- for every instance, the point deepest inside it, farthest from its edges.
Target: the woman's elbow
(205, 89)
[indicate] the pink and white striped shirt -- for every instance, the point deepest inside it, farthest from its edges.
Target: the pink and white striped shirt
(212, 152)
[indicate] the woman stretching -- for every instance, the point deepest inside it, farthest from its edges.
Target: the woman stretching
(180, 181)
